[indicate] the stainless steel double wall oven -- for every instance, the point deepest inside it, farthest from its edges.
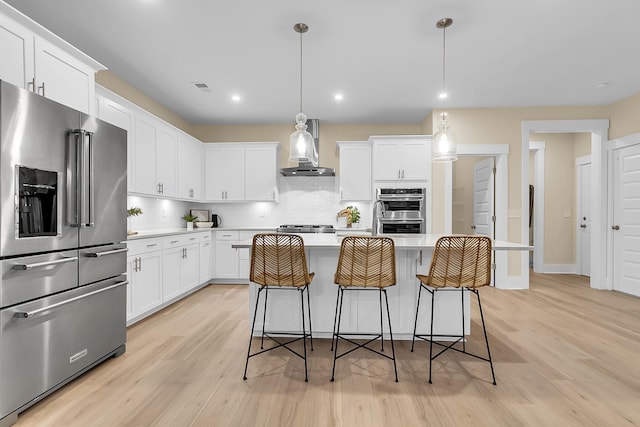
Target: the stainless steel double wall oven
(403, 211)
(62, 224)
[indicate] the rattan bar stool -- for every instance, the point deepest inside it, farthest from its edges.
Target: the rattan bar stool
(364, 264)
(278, 262)
(459, 263)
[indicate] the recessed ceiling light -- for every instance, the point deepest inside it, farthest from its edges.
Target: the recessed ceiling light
(600, 85)
(235, 98)
(338, 97)
(443, 95)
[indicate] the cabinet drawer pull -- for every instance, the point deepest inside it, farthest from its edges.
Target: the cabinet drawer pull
(175, 241)
(152, 245)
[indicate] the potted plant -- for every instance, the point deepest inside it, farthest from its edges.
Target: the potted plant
(354, 215)
(189, 218)
(131, 212)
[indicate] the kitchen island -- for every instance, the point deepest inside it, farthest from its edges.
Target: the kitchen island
(360, 309)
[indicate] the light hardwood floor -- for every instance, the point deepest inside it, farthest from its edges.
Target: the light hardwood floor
(564, 355)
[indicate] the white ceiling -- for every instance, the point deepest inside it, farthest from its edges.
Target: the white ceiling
(384, 56)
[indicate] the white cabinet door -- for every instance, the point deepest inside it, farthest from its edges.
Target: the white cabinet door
(234, 158)
(204, 256)
(61, 77)
(226, 260)
(16, 51)
(144, 157)
(171, 276)
(224, 172)
(166, 154)
(123, 117)
(261, 172)
(190, 267)
(189, 168)
(146, 282)
(416, 161)
(387, 161)
(355, 171)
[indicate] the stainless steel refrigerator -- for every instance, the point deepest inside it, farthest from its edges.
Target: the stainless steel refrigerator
(62, 258)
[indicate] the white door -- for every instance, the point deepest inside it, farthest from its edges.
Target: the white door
(626, 220)
(483, 197)
(584, 218)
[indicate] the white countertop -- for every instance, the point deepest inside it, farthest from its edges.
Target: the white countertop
(148, 234)
(427, 241)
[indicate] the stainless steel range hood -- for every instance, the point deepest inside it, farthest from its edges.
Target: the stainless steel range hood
(310, 168)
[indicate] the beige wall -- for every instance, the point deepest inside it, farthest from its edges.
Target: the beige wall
(624, 117)
(112, 82)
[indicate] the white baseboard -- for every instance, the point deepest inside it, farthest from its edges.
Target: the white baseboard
(558, 269)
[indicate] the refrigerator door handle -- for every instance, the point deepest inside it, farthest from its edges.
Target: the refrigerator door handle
(111, 252)
(27, 314)
(73, 182)
(91, 194)
(43, 264)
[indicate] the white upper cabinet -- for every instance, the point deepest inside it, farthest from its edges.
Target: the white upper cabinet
(189, 168)
(355, 170)
(121, 116)
(144, 157)
(36, 59)
(261, 171)
(401, 158)
(224, 172)
(241, 171)
(166, 155)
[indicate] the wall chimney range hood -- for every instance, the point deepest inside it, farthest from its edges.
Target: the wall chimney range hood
(310, 168)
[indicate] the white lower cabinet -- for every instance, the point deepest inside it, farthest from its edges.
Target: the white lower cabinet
(144, 270)
(163, 269)
(231, 263)
(179, 265)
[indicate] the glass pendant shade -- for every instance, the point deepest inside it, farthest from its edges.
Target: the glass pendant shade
(301, 142)
(443, 148)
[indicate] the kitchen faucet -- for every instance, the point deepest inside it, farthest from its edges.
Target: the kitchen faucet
(375, 216)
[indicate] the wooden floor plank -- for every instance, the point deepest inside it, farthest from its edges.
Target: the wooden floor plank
(564, 354)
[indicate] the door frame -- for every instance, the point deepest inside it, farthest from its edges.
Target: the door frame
(599, 130)
(501, 196)
(580, 161)
(538, 147)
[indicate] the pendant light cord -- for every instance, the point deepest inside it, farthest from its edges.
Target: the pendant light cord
(301, 72)
(444, 57)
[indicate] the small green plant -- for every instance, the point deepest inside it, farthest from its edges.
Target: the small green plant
(189, 217)
(134, 211)
(354, 214)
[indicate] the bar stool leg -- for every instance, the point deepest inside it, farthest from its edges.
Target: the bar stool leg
(381, 327)
(337, 331)
(433, 297)
(309, 310)
(393, 350)
(304, 335)
(486, 340)
(253, 325)
(264, 315)
(464, 341)
(415, 324)
(335, 318)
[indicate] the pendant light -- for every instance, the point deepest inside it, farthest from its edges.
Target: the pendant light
(301, 147)
(443, 148)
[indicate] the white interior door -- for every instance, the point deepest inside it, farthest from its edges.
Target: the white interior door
(626, 220)
(483, 197)
(584, 218)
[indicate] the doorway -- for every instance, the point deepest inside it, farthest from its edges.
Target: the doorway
(598, 130)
